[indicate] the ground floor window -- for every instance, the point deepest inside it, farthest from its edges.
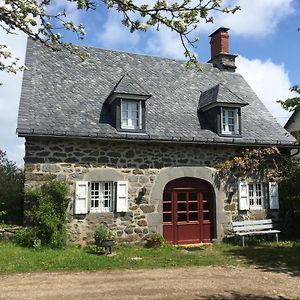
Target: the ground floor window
(101, 195)
(256, 195)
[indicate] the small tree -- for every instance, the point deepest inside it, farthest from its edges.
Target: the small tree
(11, 191)
(289, 190)
(48, 213)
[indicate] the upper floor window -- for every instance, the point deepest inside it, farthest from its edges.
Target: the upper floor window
(131, 114)
(230, 121)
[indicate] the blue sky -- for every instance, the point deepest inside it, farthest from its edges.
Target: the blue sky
(263, 34)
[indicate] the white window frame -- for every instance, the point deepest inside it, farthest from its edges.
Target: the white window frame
(128, 122)
(256, 195)
(225, 123)
(99, 195)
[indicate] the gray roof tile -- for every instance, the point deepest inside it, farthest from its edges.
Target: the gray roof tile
(128, 85)
(62, 96)
(219, 94)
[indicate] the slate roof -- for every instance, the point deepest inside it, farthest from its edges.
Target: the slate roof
(219, 94)
(63, 97)
(128, 85)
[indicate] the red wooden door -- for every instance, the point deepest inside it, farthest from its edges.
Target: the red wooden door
(188, 211)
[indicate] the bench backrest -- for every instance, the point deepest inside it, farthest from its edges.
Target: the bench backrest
(255, 225)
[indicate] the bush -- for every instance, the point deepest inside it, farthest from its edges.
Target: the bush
(48, 213)
(289, 191)
(25, 237)
(11, 191)
(103, 233)
(154, 239)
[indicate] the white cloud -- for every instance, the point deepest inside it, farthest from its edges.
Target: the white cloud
(256, 18)
(269, 81)
(9, 100)
(165, 43)
(116, 35)
(72, 12)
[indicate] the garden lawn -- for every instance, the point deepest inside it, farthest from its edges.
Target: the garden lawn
(14, 258)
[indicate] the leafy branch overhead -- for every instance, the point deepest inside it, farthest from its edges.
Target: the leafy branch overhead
(268, 163)
(39, 21)
(291, 104)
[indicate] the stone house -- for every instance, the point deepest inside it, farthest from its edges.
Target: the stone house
(139, 139)
(293, 127)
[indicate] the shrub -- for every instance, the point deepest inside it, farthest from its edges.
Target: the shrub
(289, 191)
(11, 191)
(25, 237)
(154, 239)
(48, 213)
(103, 233)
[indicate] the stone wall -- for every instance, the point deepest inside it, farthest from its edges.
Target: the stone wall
(8, 233)
(138, 163)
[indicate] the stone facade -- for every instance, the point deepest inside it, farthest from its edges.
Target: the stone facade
(147, 166)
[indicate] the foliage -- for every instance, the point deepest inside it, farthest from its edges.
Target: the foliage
(41, 21)
(11, 191)
(291, 104)
(25, 237)
(266, 162)
(48, 213)
(103, 233)
(268, 255)
(156, 237)
(289, 190)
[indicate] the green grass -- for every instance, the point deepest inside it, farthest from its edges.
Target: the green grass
(267, 255)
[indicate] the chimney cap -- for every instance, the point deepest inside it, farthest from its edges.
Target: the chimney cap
(222, 29)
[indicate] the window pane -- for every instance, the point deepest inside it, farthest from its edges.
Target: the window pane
(181, 206)
(167, 196)
(206, 205)
(193, 216)
(167, 206)
(194, 206)
(130, 114)
(206, 216)
(193, 196)
(181, 217)
(181, 196)
(167, 218)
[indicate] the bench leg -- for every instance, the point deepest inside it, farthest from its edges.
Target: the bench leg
(276, 237)
(243, 241)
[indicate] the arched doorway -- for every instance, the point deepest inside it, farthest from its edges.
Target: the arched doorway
(188, 211)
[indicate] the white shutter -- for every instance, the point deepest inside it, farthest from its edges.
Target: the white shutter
(273, 195)
(81, 197)
(243, 196)
(122, 196)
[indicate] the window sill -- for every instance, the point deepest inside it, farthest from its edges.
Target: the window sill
(123, 130)
(230, 135)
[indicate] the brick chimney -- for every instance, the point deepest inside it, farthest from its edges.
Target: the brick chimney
(220, 57)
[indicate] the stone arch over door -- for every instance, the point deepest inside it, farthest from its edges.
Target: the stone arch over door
(203, 173)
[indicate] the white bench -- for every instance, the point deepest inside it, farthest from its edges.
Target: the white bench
(255, 227)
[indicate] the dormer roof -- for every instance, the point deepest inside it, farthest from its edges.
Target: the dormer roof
(219, 95)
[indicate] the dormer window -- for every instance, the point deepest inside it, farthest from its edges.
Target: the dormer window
(127, 104)
(230, 121)
(221, 109)
(131, 112)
